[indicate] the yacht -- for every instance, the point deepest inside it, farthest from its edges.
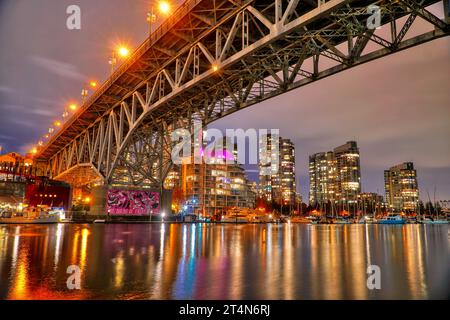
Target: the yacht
(392, 219)
(302, 220)
(260, 218)
(235, 218)
(236, 215)
(39, 215)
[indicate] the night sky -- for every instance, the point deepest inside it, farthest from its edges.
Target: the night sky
(397, 108)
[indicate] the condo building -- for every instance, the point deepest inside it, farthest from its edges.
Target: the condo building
(335, 175)
(212, 187)
(402, 191)
(371, 202)
(322, 177)
(277, 181)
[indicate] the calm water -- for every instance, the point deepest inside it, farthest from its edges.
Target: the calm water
(224, 261)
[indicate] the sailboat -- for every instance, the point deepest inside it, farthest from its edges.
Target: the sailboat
(436, 219)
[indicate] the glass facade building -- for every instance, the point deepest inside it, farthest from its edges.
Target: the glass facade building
(280, 185)
(335, 175)
(402, 191)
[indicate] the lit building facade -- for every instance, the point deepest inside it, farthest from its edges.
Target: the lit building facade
(278, 187)
(348, 172)
(322, 177)
(370, 202)
(14, 167)
(212, 189)
(336, 175)
(402, 191)
(211, 186)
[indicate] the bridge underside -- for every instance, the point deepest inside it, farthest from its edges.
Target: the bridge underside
(202, 67)
(80, 176)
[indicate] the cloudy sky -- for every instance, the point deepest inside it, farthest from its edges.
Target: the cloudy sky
(397, 108)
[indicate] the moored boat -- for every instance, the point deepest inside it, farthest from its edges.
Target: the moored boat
(39, 215)
(260, 218)
(302, 220)
(392, 219)
(437, 221)
(367, 220)
(235, 218)
(342, 221)
(21, 220)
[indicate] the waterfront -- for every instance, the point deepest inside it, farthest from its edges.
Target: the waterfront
(175, 261)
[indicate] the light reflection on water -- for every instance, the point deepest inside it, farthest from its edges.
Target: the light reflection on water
(224, 261)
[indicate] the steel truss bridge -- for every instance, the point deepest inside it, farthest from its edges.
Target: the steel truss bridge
(212, 58)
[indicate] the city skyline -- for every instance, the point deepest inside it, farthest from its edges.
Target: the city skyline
(412, 131)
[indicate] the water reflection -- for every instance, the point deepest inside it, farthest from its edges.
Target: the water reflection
(223, 261)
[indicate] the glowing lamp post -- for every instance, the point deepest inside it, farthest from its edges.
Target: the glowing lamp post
(121, 52)
(84, 94)
(73, 107)
(164, 7)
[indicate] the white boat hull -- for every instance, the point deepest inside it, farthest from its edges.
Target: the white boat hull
(17, 220)
(435, 222)
(234, 220)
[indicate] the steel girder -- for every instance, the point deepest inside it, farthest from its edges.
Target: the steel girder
(256, 50)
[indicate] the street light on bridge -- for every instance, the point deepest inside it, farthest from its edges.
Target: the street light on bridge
(73, 107)
(121, 52)
(85, 92)
(164, 7)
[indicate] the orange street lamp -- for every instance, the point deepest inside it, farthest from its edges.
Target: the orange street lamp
(58, 123)
(122, 52)
(164, 7)
(85, 92)
(73, 107)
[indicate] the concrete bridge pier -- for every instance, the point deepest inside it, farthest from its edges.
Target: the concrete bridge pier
(447, 11)
(99, 201)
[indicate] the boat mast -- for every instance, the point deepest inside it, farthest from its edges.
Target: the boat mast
(429, 201)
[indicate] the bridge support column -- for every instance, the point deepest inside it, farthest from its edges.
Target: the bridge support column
(166, 202)
(447, 11)
(99, 197)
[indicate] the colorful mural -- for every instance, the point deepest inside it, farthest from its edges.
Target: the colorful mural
(131, 202)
